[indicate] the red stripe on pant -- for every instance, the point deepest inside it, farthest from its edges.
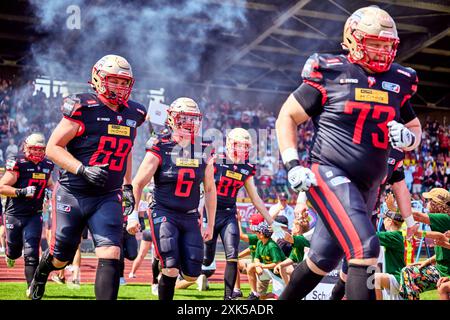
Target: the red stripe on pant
(342, 216)
(329, 220)
(53, 233)
(155, 244)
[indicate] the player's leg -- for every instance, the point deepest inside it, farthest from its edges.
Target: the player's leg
(32, 231)
(106, 226)
(191, 249)
(323, 257)
(14, 239)
(345, 213)
(2, 234)
(130, 251)
(339, 288)
(165, 232)
(144, 247)
(230, 239)
(67, 227)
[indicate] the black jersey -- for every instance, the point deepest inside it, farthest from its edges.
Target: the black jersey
(179, 174)
(105, 136)
(351, 117)
(28, 174)
(229, 179)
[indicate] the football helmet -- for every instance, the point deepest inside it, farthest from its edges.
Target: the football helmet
(112, 66)
(239, 144)
(184, 117)
(34, 147)
(375, 24)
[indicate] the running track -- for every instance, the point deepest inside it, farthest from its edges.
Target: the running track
(88, 269)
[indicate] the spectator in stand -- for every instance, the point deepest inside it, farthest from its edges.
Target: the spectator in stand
(281, 208)
(443, 141)
(12, 150)
(417, 180)
(409, 170)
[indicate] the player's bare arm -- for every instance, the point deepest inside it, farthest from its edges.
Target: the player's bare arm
(56, 151)
(6, 182)
(210, 198)
(256, 200)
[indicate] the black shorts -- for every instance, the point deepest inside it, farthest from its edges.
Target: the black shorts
(227, 227)
(178, 241)
(344, 226)
(72, 212)
(23, 232)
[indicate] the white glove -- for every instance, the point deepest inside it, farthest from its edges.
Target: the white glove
(400, 136)
(278, 232)
(301, 178)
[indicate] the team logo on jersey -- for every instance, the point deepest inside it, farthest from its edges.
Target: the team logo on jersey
(39, 176)
(389, 86)
(233, 175)
(46, 170)
(371, 95)
(30, 170)
(371, 81)
(185, 162)
(391, 161)
(63, 207)
(118, 130)
(119, 119)
(131, 123)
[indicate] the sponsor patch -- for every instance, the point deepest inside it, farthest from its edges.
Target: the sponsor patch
(9, 226)
(46, 170)
(39, 176)
(333, 62)
(329, 174)
(389, 86)
(159, 220)
(371, 95)
(405, 73)
(346, 81)
(339, 180)
(131, 123)
(118, 130)
(391, 161)
(184, 162)
(104, 119)
(243, 171)
(63, 207)
(234, 175)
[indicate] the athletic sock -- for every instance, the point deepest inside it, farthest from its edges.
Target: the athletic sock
(107, 279)
(29, 272)
(303, 280)
(155, 270)
(166, 287)
(358, 286)
(338, 290)
(230, 277)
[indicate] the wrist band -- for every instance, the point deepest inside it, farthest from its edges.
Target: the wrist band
(410, 221)
(292, 164)
(134, 216)
(289, 154)
(301, 197)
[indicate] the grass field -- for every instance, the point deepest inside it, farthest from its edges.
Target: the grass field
(16, 291)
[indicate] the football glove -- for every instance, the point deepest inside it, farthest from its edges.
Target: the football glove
(27, 192)
(400, 136)
(95, 175)
(278, 232)
(128, 199)
(301, 178)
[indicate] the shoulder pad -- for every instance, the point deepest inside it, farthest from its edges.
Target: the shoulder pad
(317, 63)
(11, 164)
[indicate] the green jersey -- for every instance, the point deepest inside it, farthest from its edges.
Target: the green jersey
(252, 242)
(298, 249)
(441, 222)
(269, 252)
(392, 241)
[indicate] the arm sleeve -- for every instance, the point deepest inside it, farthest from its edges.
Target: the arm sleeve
(310, 98)
(154, 147)
(397, 176)
(407, 113)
